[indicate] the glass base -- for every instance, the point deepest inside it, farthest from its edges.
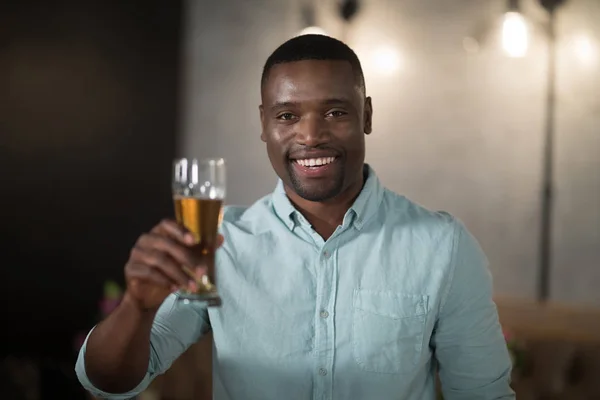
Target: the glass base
(210, 299)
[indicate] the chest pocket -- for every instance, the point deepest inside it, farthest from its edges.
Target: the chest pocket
(388, 330)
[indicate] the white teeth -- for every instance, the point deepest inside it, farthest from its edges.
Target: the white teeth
(312, 162)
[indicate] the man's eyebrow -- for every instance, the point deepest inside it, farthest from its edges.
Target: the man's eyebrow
(283, 104)
(286, 104)
(336, 101)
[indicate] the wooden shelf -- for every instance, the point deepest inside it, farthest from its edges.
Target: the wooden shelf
(550, 321)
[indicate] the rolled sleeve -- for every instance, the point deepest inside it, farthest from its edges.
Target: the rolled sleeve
(468, 342)
(175, 328)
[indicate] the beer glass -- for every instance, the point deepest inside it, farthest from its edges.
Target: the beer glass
(198, 194)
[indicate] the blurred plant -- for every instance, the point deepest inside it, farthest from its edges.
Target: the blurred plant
(112, 296)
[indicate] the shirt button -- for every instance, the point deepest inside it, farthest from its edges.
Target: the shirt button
(326, 254)
(324, 314)
(322, 371)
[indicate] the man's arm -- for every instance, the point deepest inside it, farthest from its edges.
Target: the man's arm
(468, 342)
(157, 344)
(150, 328)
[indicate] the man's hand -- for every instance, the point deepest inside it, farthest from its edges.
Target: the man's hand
(158, 263)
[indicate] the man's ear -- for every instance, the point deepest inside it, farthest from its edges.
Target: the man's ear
(262, 123)
(368, 116)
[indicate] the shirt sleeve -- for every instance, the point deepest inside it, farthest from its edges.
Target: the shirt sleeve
(175, 328)
(468, 341)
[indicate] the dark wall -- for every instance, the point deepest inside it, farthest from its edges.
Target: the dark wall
(88, 108)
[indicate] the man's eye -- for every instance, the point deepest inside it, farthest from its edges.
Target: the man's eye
(286, 116)
(336, 113)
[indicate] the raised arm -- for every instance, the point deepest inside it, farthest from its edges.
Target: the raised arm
(146, 333)
(143, 351)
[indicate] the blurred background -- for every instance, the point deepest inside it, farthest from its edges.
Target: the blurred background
(488, 109)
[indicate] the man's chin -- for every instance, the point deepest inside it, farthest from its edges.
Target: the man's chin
(316, 189)
(317, 192)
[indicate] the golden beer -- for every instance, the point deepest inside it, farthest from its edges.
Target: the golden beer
(202, 218)
(198, 188)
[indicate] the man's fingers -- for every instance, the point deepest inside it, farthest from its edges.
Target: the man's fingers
(179, 233)
(175, 231)
(181, 254)
(164, 263)
(140, 274)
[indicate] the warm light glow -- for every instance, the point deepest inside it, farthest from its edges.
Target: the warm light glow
(515, 36)
(584, 50)
(312, 30)
(386, 60)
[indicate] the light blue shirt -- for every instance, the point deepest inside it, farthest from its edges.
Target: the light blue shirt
(370, 314)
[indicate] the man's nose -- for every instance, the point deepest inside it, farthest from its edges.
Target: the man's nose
(311, 131)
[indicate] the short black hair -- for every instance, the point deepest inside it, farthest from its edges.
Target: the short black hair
(314, 47)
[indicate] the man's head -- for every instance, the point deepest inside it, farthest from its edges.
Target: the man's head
(314, 116)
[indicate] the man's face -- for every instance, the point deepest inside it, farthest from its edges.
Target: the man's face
(314, 118)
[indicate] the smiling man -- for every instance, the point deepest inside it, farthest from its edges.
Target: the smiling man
(333, 287)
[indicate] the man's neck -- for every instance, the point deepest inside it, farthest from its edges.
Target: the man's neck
(326, 216)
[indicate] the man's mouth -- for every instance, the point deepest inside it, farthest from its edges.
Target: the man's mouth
(317, 167)
(315, 162)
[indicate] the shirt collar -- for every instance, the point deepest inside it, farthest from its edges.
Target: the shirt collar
(364, 207)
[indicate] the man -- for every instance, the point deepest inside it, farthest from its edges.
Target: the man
(333, 287)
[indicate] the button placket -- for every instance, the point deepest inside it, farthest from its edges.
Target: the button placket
(325, 330)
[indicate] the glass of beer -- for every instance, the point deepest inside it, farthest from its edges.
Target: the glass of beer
(198, 194)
